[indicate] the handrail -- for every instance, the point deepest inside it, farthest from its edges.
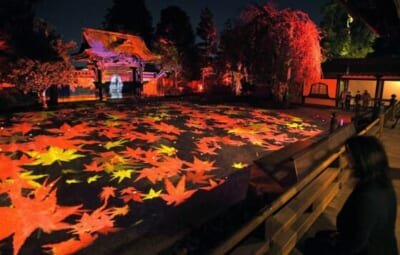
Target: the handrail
(277, 204)
(275, 207)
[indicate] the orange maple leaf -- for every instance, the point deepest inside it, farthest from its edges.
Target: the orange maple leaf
(93, 167)
(166, 128)
(198, 177)
(176, 195)
(213, 184)
(106, 193)
(199, 165)
(38, 210)
(72, 245)
(99, 221)
(131, 194)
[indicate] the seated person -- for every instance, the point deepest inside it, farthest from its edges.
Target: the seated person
(366, 223)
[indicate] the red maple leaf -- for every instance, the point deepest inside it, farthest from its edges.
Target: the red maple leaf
(23, 128)
(176, 194)
(150, 137)
(153, 174)
(72, 245)
(68, 131)
(198, 177)
(9, 168)
(151, 157)
(205, 149)
(38, 210)
(133, 153)
(106, 193)
(228, 141)
(131, 194)
(200, 165)
(93, 167)
(166, 128)
(99, 221)
(213, 184)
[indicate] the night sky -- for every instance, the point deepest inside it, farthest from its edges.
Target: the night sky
(69, 16)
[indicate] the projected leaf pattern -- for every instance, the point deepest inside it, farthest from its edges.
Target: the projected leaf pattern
(81, 172)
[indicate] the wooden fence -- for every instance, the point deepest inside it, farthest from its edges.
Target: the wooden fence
(292, 214)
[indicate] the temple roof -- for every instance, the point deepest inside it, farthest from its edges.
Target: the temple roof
(114, 47)
(376, 67)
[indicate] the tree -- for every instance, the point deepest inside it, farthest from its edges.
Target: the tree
(30, 75)
(343, 36)
(130, 17)
(207, 31)
(175, 27)
(277, 46)
(170, 58)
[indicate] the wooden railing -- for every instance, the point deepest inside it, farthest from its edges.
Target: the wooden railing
(293, 213)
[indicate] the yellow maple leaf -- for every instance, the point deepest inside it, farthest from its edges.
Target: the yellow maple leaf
(122, 174)
(93, 178)
(31, 178)
(239, 165)
(241, 130)
(52, 155)
(167, 150)
(112, 123)
(118, 143)
(120, 211)
(152, 194)
(72, 181)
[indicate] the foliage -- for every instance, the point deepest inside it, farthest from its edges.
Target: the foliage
(130, 17)
(343, 36)
(207, 31)
(278, 46)
(175, 27)
(163, 152)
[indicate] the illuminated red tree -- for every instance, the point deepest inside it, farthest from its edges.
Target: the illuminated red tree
(280, 46)
(37, 76)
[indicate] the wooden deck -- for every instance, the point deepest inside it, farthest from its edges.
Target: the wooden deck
(391, 141)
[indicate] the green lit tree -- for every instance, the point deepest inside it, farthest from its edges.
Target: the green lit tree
(344, 36)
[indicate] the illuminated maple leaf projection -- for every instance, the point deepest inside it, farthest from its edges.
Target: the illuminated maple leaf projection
(54, 154)
(123, 158)
(72, 245)
(176, 194)
(131, 194)
(39, 210)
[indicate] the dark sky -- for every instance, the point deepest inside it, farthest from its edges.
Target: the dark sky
(69, 16)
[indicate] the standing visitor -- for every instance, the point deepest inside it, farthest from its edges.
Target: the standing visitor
(366, 97)
(342, 99)
(357, 101)
(348, 101)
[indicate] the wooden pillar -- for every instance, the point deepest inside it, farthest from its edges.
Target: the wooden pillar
(378, 91)
(338, 91)
(100, 83)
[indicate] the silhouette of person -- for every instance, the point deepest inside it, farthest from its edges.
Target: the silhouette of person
(366, 223)
(366, 97)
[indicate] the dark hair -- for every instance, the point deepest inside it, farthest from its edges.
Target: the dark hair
(369, 158)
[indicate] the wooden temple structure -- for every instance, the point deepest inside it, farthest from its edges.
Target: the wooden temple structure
(117, 61)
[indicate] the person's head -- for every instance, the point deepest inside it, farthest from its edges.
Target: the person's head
(367, 158)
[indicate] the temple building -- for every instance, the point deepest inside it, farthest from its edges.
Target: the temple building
(379, 73)
(113, 64)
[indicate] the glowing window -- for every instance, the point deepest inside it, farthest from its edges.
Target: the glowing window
(319, 90)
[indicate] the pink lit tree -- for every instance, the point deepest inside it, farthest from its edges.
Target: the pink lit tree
(279, 46)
